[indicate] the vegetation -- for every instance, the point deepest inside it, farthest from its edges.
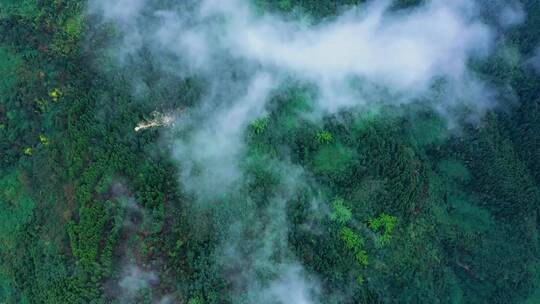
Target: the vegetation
(395, 209)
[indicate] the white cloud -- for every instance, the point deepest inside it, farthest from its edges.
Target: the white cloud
(401, 53)
(120, 11)
(291, 287)
(211, 153)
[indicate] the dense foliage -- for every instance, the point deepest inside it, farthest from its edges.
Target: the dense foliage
(415, 214)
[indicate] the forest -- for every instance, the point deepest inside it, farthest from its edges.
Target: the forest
(270, 151)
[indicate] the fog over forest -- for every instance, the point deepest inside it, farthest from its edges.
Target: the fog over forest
(270, 152)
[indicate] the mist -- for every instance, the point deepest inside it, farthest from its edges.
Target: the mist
(365, 57)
